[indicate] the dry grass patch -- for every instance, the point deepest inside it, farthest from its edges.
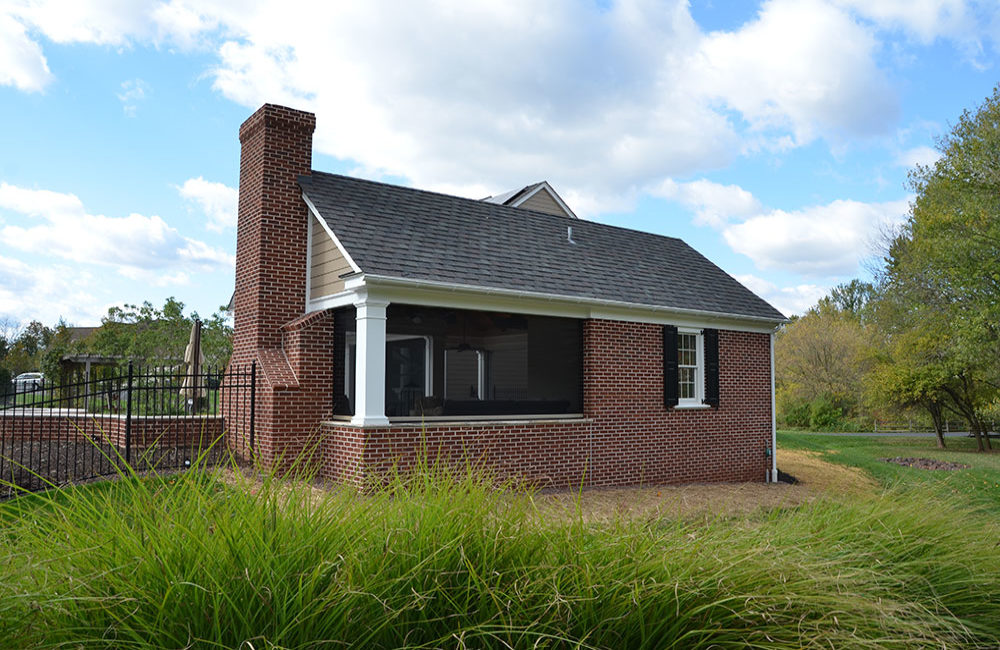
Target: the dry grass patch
(816, 478)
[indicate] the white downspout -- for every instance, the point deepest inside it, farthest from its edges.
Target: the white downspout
(774, 422)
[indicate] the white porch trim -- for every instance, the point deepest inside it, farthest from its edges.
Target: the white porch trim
(369, 403)
(432, 293)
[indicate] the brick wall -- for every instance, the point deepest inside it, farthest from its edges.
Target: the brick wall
(626, 437)
(639, 441)
(168, 431)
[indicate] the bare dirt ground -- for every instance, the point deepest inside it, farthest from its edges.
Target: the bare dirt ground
(926, 463)
(815, 477)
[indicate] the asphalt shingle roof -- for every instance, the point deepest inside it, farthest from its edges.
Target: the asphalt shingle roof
(405, 233)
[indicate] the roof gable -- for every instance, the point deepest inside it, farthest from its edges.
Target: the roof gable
(540, 197)
(401, 232)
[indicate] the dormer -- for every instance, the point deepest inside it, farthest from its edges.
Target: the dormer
(538, 196)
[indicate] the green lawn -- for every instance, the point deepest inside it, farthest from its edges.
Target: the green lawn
(978, 486)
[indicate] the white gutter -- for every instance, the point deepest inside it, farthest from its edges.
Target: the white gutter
(774, 422)
(376, 280)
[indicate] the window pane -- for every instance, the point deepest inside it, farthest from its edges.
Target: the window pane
(405, 373)
(686, 374)
(687, 350)
(344, 327)
(687, 357)
(461, 374)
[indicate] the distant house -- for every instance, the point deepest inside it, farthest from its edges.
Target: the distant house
(504, 331)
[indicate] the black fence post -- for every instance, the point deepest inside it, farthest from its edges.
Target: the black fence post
(128, 417)
(253, 399)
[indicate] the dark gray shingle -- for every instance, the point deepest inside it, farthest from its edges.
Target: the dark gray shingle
(406, 233)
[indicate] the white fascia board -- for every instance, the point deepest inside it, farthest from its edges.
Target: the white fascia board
(326, 227)
(555, 197)
(344, 298)
(433, 293)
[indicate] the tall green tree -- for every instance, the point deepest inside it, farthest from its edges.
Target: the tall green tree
(944, 269)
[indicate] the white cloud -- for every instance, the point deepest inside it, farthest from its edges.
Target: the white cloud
(47, 293)
(22, 63)
(828, 239)
(132, 92)
(603, 101)
(217, 200)
(924, 19)
(714, 204)
(802, 68)
(131, 244)
(101, 22)
(788, 300)
(918, 156)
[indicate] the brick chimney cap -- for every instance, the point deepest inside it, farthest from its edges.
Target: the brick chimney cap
(273, 116)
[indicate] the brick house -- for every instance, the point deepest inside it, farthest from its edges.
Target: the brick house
(504, 331)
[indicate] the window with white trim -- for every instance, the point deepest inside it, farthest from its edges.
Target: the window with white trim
(690, 368)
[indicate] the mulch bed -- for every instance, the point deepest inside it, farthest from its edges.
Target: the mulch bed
(35, 465)
(784, 477)
(926, 463)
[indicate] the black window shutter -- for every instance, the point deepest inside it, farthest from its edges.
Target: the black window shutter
(670, 387)
(711, 339)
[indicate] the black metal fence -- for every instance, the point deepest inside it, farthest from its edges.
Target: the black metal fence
(144, 418)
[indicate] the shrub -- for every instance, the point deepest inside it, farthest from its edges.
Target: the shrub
(798, 415)
(441, 560)
(825, 414)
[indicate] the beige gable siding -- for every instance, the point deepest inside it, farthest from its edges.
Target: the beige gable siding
(328, 264)
(542, 201)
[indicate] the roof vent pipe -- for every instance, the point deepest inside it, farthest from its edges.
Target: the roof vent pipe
(569, 234)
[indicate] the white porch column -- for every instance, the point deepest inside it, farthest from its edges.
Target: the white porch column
(369, 380)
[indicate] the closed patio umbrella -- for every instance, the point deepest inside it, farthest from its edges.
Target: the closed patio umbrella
(193, 360)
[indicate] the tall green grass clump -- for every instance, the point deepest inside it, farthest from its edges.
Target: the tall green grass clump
(436, 558)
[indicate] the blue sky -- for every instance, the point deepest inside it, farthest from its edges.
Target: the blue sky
(774, 137)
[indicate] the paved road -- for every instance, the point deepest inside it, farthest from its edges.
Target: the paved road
(900, 434)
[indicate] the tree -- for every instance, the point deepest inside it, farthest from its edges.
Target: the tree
(23, 352)
(944, 267)
(852, 297)
(819, 360)
(153, 335)
(908, 366)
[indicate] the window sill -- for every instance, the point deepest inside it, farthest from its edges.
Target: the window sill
(692, 407)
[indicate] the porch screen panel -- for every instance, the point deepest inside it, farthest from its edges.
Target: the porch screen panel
(488, 363)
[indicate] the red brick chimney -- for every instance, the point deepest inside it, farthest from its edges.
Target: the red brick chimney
(272, 227)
